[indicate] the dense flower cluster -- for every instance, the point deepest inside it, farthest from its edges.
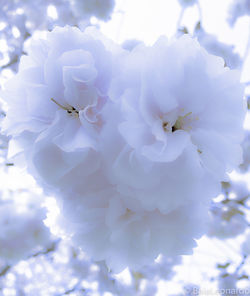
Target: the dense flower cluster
(132, 143)
(65, 270)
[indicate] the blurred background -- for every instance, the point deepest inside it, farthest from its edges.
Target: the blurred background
(34, 259)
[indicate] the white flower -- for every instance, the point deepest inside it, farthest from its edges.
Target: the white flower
(56, 98)
(101, 9)
(114, 228)
(226, 221)
(162, 268)
(178, 143)
(215, 47)
(22, 231)
(238, 190)
(181, 98)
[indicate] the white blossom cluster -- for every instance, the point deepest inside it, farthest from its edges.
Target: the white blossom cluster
(237, 9)
(23, 232)
(20, 19)
(133, 144)
(229, 217)
(215, 47)
(64, 270)
(227, 221)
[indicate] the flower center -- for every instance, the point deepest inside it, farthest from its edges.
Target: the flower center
(70, 109)
(182, 123)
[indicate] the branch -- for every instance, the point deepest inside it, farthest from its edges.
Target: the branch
(11, 62)
(52, 248)
(5, 270)
(75, 288)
